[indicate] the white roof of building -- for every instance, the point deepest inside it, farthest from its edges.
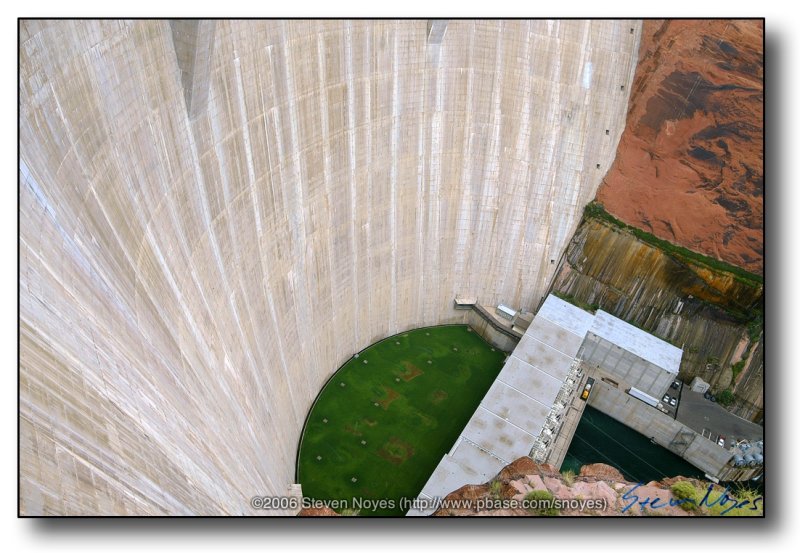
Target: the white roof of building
(557, 337)
(516, 407)
(514, 410)
(496, 435)
(543, 356)
(637, 341)
(564, 314)
(506, 309)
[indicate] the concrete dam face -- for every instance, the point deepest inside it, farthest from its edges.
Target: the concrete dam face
(216, 215)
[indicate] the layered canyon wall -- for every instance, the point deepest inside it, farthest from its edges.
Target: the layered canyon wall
(715, 317)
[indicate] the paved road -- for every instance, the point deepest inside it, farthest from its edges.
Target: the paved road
(704, 417)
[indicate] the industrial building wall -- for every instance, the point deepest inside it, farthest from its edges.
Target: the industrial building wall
(626, 367)
(188, 280)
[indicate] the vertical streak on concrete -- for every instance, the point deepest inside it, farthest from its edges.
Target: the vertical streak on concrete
(393, 174)
(274, 164)
(326, 175)
(248, 150)
(193, 41)
(436, 30)
(519, 211)
(369, 265)
(255, 356)
(184, 41)
(255, 367)
(421, 191)
(302, 315)
(351, 158)
(467, 193)
(433, 101)
(433, 261)
(530, 212)
(231, 277)
(491, 181)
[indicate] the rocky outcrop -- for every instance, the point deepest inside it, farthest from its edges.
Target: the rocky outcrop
(599, 471)
(599, 490)
(318, 512)
(689, 166)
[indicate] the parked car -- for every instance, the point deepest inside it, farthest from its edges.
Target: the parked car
(707, 394)
(665, 399)
(673, 401)
(675, 385)
(721, 441)
(587, 389)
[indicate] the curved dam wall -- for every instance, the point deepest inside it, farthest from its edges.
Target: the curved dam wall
(214, 218)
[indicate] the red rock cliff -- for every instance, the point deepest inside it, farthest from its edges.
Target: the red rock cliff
(689, 166)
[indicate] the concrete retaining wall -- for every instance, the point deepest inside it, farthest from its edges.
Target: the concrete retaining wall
(489, 332)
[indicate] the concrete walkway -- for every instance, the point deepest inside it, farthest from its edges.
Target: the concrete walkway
(571, 419)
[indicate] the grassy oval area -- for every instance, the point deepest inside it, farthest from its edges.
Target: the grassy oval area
(385, 419)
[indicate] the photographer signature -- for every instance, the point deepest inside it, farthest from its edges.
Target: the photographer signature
(657, 503)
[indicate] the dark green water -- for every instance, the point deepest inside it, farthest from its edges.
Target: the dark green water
(601, 439)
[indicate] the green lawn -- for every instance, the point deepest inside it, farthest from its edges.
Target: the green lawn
(392, 413)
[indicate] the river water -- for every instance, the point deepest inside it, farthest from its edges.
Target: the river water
(601, 439)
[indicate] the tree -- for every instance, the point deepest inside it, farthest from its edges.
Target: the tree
(725, 398)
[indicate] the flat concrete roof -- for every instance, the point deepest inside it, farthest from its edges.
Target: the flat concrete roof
(514, 410)
(516, 407)
(467, 464)
(567, 316)
(497, 436)
(637, 341)
(542, 356)
(556, 337)
(529, 380)
(449, 476)
(481, 461)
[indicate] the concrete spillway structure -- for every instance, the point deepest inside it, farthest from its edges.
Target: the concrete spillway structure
(213, 217)
(519, 410)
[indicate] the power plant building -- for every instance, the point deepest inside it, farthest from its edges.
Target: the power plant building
(638, 358)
